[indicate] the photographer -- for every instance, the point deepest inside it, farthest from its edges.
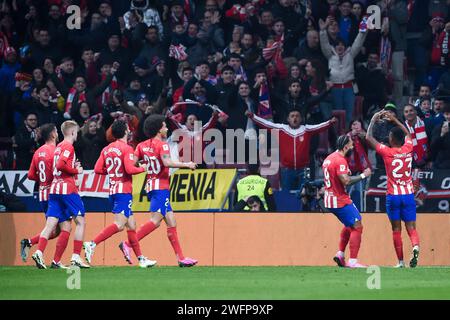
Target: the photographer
(312, 194)
(91, 141)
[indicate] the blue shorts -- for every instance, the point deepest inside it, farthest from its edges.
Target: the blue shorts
(65, 206)
(401, 207)
(348, 214)
(121, 203)
(159, 201)
(44, 206)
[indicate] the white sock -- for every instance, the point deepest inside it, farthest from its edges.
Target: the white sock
(353, 261)
(340, 254)
(38, 252)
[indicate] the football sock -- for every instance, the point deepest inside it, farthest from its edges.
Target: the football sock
(355, 242)
(414, 236)
(34, 240)
(143, 231)
(134, 242)
(61, 245)
(42, 244)
(77, 245)
(345, 236)
(398, 244)
(106, 233)
(173, 238)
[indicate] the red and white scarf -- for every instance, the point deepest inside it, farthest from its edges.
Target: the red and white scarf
(71, 97)
(419, 138)
(178, 52)
(107, 93)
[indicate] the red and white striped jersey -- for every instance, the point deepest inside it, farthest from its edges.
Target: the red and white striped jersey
(335, 194)
(41, 169)
(64, 171)
(398, 163)
(152, 151)
(117, 160)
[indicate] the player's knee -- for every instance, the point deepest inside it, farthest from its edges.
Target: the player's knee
(120, 226)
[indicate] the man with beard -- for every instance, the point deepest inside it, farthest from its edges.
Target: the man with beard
(337, 178)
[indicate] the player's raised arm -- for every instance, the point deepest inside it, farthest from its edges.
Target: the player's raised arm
(369, 135)
(177, 164)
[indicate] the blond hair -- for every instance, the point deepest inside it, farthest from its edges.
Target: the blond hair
(67, 125)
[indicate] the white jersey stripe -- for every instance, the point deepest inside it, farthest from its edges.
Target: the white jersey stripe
(64, 191)
(58, 187)
(395, 189)
(335, 202)
(402, 189)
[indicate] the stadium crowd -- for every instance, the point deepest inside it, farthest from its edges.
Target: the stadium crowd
(287, 62)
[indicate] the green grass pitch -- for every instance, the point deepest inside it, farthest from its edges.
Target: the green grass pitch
(225, 283)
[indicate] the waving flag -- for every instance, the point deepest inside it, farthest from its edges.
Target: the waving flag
(273, 49)
(178, 52)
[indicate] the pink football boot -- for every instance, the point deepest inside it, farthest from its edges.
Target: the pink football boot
(187, 262)
(126, 250)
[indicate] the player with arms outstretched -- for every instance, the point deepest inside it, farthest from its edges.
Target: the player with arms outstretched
(337, 177)
(41, 171)
(117, 160)
(64, 201)
(155, 154)
(400, 204)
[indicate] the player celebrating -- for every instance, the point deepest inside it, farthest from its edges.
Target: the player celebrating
(154, 153)
(117, 160)
(41, 171)
(400, 204)
(64, 201)
(337, 177)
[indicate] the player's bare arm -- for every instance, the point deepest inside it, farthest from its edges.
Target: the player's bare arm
(371, 141)
(177, 164)
(348, 180)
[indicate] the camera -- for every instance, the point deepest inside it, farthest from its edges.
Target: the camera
(311, 195)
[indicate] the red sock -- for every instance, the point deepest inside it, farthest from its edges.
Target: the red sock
(173, 238)
(106, 233)
(414, 236)
(143, 231)
(35, 239)
(398, 244)
(77, 245)
(345, 236)
(355, 242)
(42, 244)
(134, 242)
(61, 245)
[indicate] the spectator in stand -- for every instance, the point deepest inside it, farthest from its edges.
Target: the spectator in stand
(417, 129)
(340, 62)
(25, 142)
(149, 14)
(134, 90)
(44, 48)
(310, 49)
(116, 52)
(153, 46)
(188, 131)
(210, 32)
(226, 87)
(440, 143)
(358, 160)
(65, 72)
(358, 10)
(438, 107)
(348, 24)
(46, 111)
(8, 71)
(397, 13)
(372, 83)
(91, 142)
(294, 141)
(79, 92)
(202, 92)
(431, 43)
